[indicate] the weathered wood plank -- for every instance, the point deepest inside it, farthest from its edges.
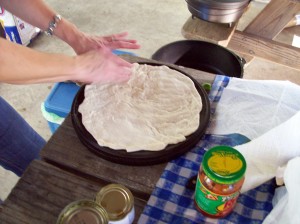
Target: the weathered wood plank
(273, 18)
(197, 29)
(267, 49)
(44, 190)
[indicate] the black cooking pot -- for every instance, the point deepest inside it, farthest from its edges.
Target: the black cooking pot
(202, 55)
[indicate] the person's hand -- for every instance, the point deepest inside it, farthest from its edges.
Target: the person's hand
(116, 41)
(101, 66)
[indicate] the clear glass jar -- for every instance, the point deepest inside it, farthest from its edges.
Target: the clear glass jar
(220, 178)
(83, 211)
(118, 202)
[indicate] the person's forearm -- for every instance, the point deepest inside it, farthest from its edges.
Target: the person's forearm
(39, 14)
(19, 65)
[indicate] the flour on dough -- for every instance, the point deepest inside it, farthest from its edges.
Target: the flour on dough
(156, 107)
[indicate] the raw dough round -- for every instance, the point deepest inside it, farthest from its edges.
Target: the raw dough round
(156, 107)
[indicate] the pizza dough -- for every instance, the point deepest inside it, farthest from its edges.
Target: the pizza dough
(156, 107)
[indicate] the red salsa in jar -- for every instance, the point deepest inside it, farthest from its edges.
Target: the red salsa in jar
(220, 178)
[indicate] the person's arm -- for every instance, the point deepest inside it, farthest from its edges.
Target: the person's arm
(38, 14)
(94, 63)
(20, 65)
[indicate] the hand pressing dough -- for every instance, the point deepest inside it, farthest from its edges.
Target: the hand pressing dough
(156, 107)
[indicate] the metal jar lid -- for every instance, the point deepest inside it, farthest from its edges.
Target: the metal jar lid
(83, 211)
(117, 200)
(224, 164)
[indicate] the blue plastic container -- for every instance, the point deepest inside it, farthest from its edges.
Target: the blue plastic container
(53, 126)
(60, 100)
(118, 52)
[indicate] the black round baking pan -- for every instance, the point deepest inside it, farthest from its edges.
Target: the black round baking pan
(202, 55)
(143, 157)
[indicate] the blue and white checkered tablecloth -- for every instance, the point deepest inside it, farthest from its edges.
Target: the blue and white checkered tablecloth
(171, 202)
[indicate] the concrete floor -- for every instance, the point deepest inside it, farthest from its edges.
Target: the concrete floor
(153, 23)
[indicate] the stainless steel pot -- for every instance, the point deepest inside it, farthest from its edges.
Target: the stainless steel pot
(219, 11)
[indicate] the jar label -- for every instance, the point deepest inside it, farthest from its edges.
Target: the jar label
(214, 204)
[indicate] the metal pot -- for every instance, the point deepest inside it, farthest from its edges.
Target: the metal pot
(219, 11)
(202, 55)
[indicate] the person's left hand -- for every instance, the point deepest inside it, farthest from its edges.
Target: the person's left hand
(115, 41)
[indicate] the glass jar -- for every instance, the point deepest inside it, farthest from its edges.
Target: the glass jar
(220, 178)
(83, 211)
(118, 202)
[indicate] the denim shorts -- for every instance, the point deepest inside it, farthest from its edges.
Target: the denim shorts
(19, 143)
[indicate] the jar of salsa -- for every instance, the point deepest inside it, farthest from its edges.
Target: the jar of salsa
(220, 178)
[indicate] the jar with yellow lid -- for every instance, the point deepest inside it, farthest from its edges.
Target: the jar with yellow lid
(83, 211)
(220, 178)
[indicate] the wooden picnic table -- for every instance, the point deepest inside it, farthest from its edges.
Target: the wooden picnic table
(44, 190)
(69, 171)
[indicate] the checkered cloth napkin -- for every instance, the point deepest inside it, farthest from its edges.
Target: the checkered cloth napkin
(173, 203)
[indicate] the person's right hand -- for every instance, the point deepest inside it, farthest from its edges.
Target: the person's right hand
(86, 42)
(101, 66)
